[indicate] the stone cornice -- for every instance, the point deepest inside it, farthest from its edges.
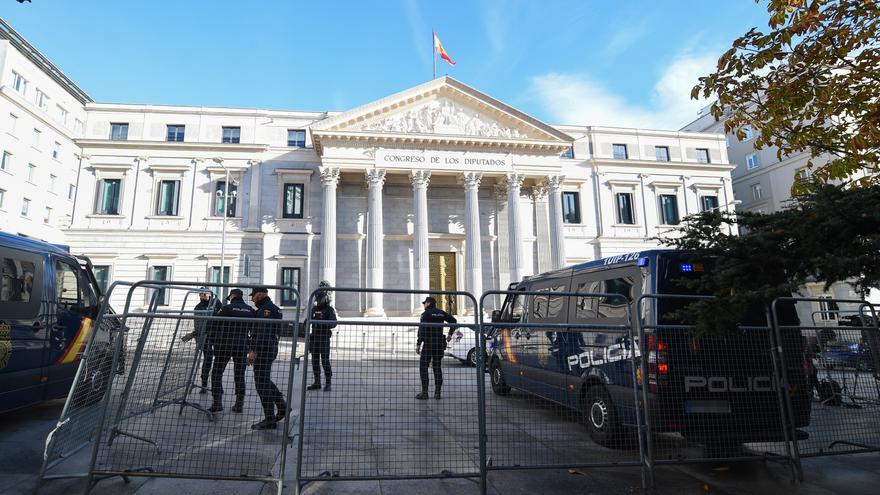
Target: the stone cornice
(164, 145)
(671, 167)
(371, 139)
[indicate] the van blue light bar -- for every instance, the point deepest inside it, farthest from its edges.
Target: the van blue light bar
(686, 267)
(643, 261)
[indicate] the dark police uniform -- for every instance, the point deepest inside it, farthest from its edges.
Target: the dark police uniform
(434, 345)
(202, 335)
(264, 342)
(231, 342)
(319, 342)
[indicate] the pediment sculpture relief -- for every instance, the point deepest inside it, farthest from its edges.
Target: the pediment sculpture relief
(443, 117)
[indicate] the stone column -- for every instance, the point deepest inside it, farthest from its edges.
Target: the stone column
(420, 179)
(557, 232)
(473, 244)
(329, 181)
(375, 237)
(543, 248)
(253, 202)
(514, 224)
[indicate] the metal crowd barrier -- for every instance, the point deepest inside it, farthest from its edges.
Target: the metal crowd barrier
(370, 425)
(842, 380)
(135, 433)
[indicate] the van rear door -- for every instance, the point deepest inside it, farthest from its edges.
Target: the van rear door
(23, 329)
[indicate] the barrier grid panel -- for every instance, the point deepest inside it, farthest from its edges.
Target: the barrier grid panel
(560, 382)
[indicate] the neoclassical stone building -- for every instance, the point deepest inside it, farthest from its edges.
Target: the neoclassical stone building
(438, 187)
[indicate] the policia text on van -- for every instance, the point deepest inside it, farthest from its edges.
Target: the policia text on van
(48, 302)
(716, 390)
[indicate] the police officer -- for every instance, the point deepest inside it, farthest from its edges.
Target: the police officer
(263, 351)
(434, 344)
(319, 341)
(207, 303)
(231, 342)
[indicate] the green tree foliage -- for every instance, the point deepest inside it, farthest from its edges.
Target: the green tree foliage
(828, 234)
(810, 84)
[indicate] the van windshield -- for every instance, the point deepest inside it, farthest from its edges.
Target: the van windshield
(678, 274)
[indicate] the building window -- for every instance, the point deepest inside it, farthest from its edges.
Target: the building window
(568, 153)
(6, 160)
(52, 178)
(160, 273)
(13, 121)
(19, 83)
(571, 207)
(625, 214)
(71, 192)
(828, 308)
(56, 150)
(25, 207)
(662, 153)
(32, 172)
(2, 197)
(78, 127)
(107, 202)
(293, 201)
(757, 192)
(62, 114)
(167, 198)
(703, 155)
(751, 161)
(220, 199)
(214, 278)
(708, 203)
(41, 100)
(669, 209)
(748, 133)
(231, 135)
(118, 132)
(296, 138)
(619, 151)
(37, 134)
(102, 276)
(174, 133)
(47, 215)
(289, 278)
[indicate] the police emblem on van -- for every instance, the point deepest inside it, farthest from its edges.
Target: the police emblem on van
(5, 344)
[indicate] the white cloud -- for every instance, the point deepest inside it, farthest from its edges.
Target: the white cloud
(583, 100)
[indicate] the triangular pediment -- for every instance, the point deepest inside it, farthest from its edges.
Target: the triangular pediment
(442, 107)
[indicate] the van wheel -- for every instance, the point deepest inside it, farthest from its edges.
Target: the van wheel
(472, 357)
(499, 385)
(601, 418)
(94, 383)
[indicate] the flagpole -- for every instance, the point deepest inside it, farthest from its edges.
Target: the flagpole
(433, 55)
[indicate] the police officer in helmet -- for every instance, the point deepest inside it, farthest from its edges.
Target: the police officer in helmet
(431, 344)
(323, 321)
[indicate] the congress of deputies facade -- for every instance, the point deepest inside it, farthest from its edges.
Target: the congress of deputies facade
(437, 187)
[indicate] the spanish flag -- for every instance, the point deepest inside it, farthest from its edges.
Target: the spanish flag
(438, 48)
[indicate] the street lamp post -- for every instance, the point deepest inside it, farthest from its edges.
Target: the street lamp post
(223, 234)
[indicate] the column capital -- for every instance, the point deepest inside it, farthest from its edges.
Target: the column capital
(471, 180)
(420, 178)
(553, 182)
(514, 180)
(539, 192)
(329, 176)
(375, 177)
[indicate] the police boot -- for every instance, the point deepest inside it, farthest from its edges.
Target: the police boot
(282, 411)
(315, 386)
(217, 406)
(266, 424)
(239, 404)
(423, 395)
(437, 393)
(327, 385)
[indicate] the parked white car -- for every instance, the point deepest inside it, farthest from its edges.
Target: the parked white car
(463, 346)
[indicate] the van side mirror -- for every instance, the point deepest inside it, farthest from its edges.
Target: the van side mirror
(496, 315)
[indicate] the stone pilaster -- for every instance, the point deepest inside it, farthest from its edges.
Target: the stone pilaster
(329, 182)
(557, 232)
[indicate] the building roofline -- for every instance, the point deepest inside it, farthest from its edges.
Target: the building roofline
(34, 55)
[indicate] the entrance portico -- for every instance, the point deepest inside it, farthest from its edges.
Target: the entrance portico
(436, 136)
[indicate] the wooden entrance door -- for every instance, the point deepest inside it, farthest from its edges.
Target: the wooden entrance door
(442, 277)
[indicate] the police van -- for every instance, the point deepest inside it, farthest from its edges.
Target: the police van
(49, 300)
(712, 389)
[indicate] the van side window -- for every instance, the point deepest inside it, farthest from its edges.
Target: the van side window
(586, 305)
(549, 306)
(516, 309)
(66, 286)
(17, 280)
(615, 307)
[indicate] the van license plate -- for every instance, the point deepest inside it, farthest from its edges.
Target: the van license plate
(707, 407)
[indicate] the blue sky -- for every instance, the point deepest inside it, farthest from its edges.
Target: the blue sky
(624, 63)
